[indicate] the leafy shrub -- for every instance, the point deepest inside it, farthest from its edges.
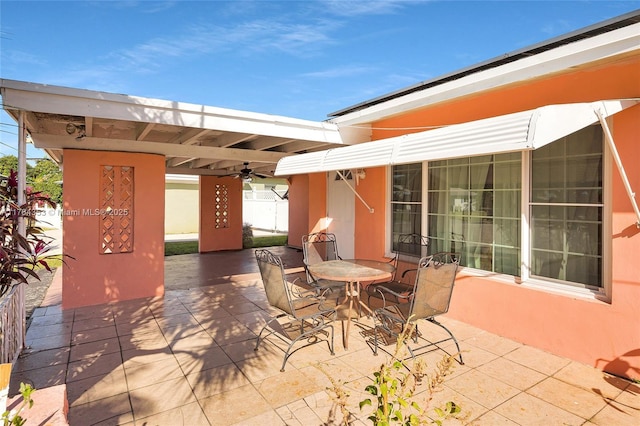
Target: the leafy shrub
(394, 387)
(247, 235)
(21, 254)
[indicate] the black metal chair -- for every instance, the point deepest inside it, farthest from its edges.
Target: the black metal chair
(429, 298)
(301, 318)
(319, 247)
(407, 245)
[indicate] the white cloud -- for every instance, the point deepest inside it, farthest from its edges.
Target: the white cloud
(18, 58)
(340, 72)
(364, 7)
(250, 37)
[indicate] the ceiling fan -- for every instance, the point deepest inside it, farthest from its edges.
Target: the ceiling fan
(247, 174)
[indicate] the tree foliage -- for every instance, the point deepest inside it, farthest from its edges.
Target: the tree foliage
(45, 177)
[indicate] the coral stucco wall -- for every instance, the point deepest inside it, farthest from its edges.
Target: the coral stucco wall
(298, 209)
(370, 227)
(94, 278)
(212, 238)
(603, 334)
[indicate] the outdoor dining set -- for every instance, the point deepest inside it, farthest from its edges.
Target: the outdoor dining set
(307, 309)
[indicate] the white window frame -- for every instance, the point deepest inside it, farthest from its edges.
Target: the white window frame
(525, 279)
(602, 294)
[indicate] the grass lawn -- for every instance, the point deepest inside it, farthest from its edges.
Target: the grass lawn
(188, 247)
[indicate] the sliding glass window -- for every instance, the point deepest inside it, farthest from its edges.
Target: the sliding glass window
(567, 208)
(406, 202)
(474, 209)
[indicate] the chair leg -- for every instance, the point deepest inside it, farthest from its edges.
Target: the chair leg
(332, 344)
(433, 320)
(260, 335)
(289, 351)
(375, 338)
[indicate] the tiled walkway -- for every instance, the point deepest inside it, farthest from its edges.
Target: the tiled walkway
(188, 359)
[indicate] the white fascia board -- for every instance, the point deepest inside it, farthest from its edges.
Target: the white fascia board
(62, 100)
(562, 58)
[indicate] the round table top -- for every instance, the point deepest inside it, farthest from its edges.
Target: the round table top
(351, 270)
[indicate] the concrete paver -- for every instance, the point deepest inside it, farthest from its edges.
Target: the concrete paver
(189, 355)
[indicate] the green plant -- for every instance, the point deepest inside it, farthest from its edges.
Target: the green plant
(394, 389)
(247, 235)
(21, 254)
(14, 417)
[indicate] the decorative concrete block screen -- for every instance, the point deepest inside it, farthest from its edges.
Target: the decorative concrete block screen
(222, 207)
(116, 209)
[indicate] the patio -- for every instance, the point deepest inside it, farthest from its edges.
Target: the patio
(188, 358)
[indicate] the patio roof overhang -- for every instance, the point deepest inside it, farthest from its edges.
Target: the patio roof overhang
(195, 139)
(526, 130)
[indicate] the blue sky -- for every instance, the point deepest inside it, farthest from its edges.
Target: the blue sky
(303, 59)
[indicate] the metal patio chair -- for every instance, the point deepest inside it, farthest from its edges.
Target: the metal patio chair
(429, 298)
(319, 247)
(407, 245)
(301, 317)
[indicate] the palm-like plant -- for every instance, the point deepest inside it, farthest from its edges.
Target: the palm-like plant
(21, 254)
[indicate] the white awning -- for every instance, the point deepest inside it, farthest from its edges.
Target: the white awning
(519, 131)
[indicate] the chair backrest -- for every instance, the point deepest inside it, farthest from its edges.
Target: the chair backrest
(411, 244)
(319, 247)
(407, 248)
(275, 281)
(433, 287)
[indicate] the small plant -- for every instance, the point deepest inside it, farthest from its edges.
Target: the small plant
(247, 235)
(13, 418)
(393, 388)
(339, 395)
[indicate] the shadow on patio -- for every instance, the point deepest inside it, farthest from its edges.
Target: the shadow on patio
(189, 358)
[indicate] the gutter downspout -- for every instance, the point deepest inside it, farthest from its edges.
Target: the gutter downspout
(354, 191)
(616, 157)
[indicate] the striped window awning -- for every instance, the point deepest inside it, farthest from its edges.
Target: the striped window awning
(519, 131)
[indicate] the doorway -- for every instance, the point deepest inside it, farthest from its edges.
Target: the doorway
(341, 211)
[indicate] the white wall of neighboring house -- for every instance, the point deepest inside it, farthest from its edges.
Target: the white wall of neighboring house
(262, 208)
(181, 204)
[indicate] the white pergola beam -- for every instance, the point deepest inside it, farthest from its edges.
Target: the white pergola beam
(167, 149)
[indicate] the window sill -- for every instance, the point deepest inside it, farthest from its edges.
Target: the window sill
(541, 285)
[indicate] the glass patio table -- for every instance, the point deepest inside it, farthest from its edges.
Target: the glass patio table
(352, 272)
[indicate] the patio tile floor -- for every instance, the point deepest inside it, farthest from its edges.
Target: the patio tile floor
(188, 358)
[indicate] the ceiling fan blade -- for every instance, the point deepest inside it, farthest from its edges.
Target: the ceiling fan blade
(262, 175)
(234, 175)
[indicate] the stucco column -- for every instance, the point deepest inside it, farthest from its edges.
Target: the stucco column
(220, 213)
(113, 225)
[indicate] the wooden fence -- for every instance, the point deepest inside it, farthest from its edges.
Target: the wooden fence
(12, 324)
